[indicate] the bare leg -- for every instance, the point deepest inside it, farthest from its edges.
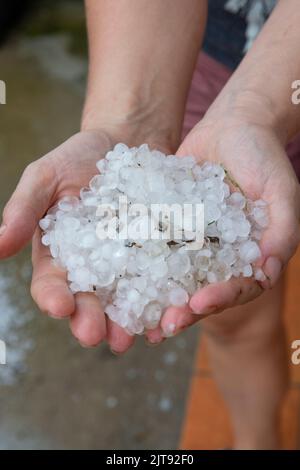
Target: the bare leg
(248, 357)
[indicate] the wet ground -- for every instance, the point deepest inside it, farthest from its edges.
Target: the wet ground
(53, 393)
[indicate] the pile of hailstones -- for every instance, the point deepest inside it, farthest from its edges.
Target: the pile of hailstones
(136, 279)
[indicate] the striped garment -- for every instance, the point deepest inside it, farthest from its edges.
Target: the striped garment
(255, 11)
(232, 26)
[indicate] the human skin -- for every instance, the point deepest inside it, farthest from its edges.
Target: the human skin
(241, 319)
(246, 129)
(254, 117)
(133, 99)
(141, 62)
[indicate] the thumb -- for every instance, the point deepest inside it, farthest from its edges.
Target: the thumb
(281, 238)
(26, 207)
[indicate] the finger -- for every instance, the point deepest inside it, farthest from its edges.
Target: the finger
(278, 245)
(281, 238)
(154, 336)
(26, 207)
(177, 319)
(174, 320)
(117, 338)
(88, 323)
(49, 287)
(216, 297)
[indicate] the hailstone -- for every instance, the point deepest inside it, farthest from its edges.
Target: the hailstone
(137, 278)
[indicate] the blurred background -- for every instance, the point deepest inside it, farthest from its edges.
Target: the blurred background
(53, 393)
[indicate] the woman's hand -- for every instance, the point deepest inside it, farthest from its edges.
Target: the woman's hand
(61, 172)
(253, 154)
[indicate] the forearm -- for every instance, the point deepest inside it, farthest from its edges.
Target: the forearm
(142, 56)
(262, 84)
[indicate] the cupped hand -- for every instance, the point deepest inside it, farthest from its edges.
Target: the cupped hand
(254, 156)
(61, 172)
(251, 153)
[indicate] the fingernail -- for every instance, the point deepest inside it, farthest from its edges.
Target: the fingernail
(272, 269)
(2, 229)
(153, 343)
(206, 310)
(87, 346)
(169, 330)
(56, 317)
(115, 353)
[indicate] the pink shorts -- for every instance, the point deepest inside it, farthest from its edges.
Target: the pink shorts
(209, 78)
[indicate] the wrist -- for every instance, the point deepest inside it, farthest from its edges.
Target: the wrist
(133, 131)
(249, 106)
(134, 120)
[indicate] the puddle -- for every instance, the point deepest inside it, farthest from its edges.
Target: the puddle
(14, 322)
